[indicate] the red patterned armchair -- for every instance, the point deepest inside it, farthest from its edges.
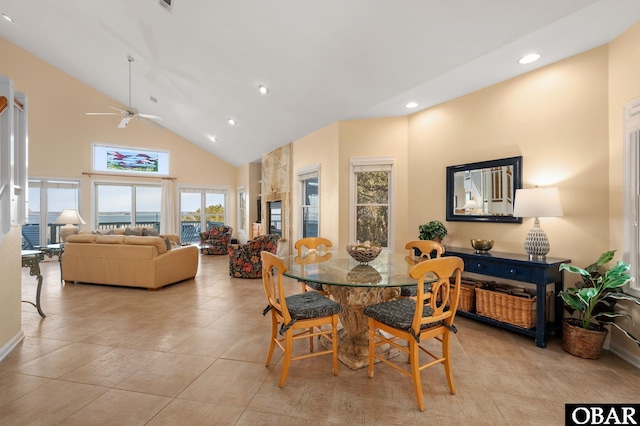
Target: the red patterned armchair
(216, 240)
(244, 259)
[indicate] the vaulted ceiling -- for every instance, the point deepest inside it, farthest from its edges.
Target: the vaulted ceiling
(201, 63)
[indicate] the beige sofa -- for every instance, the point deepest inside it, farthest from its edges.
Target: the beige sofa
(126, 260)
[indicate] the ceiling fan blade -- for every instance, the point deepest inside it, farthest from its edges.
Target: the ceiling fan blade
(152, 116)
(124, 122)
(101, 113)
(121, 111)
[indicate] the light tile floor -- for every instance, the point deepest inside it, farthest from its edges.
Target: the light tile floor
(193, 354)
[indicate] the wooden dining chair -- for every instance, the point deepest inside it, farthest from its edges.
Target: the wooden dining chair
(310, 245)
(416, 321)
(427, 249)
(296, 317)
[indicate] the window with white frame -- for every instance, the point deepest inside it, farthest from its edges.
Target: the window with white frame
(631, 193)
(371, 200)
(242, 209)
(47, 199)
(309, 196)
(120, 204)
(201, 207)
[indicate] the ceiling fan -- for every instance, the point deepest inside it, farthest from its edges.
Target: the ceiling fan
(130, 112)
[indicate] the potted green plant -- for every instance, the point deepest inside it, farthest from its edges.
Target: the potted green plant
(594, 302)
(434, 230)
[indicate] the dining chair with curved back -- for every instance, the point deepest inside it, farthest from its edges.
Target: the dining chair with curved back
(316, 245)
(295, 317)
(426, 248)
(416, 321)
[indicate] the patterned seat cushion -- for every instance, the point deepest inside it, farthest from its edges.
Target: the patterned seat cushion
(308, 305)
(399, 314)
(412, 290)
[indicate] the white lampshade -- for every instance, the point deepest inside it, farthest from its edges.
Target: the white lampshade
(537, 202)
(69, 217)
(471, 204)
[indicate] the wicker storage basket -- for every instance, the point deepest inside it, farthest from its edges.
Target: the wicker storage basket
(515, 310)
(582, 342)
(467, 300)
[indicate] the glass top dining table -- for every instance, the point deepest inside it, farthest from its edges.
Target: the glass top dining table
(339, 269)
(354, 285)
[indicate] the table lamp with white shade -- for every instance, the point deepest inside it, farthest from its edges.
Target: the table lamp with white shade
(69, 218)
(537, 202)
(471, 206)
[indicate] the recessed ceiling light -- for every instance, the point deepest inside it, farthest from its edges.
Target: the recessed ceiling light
(7, 17)
(527, 59)
(232, 121)
(263, 89)
(411, 104)
(213, 138)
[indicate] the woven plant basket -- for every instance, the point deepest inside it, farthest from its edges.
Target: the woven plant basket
(582, 342)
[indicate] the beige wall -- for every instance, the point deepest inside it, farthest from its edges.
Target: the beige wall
(383, 137)
(249, 180)
(10, 291)
(556, 118)
(319, 148)
(624, 86)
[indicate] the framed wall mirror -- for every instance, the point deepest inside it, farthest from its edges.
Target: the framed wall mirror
(484, 191)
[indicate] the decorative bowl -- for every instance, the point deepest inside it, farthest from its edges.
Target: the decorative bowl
(482, 246)
(363, 253)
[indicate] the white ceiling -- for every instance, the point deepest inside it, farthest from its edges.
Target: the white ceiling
(323, 61)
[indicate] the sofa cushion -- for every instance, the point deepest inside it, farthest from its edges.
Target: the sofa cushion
(158, 242)
(82, 238)
(110, 239)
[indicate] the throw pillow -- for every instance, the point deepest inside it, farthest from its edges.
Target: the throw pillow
(149, 232)
(168, 243)
(132, 231)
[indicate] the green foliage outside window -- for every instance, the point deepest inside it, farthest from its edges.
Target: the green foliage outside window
(372, 207)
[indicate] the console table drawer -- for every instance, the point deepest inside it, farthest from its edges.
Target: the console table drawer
(480, 266)
(518, 273)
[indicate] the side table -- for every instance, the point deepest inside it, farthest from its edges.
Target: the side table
(53, 250)
(31, 259)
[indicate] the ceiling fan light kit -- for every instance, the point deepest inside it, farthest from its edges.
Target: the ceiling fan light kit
(130, 112)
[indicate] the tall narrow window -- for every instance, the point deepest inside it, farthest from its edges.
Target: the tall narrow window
(47, 199)
(242, 209)
(200, 209)
(309, 196)
(371, 200)
(631, 193)
(125, 204)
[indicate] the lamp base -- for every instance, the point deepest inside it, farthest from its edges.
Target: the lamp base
(67, 230)
(536, 244)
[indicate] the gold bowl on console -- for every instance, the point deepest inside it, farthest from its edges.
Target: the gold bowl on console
(482, 246)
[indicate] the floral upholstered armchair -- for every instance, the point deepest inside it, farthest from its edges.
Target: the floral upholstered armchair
(216, 239)
(244, 259)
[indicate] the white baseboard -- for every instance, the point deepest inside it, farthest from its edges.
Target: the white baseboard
(626, 355)
(11, 344)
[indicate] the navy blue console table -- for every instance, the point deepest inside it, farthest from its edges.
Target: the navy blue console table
(518, 267)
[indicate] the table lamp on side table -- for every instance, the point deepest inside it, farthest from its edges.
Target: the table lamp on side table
(537, 202)
(69, 218)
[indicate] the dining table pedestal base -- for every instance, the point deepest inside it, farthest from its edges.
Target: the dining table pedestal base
(353, 338)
